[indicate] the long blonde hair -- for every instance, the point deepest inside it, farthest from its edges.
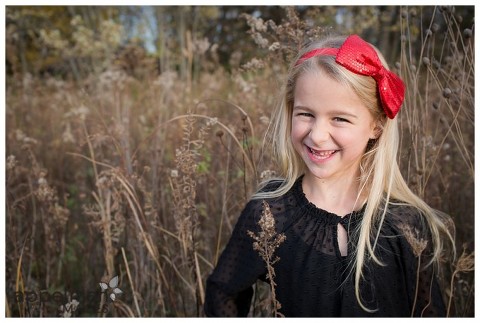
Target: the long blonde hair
(380, 179)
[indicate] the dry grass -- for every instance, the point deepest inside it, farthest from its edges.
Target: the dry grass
(144, 177)
(437, 64)
(265, 243)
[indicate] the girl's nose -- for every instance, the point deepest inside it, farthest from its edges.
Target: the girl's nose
(319, 132)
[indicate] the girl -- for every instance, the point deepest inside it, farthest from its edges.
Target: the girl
(358, 241)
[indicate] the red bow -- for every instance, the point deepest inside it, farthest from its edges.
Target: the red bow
(359, 57)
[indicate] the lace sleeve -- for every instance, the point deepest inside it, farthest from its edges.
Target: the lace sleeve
(229, 288)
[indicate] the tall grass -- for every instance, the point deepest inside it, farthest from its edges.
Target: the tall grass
(144, 177)
(437, 156)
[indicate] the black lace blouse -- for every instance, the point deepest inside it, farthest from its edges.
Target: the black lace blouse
(312, 278)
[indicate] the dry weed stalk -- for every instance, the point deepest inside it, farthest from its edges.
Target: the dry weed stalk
(437, 65)
(29, 190)
(465, 263)
(266, 242)
(439, 103)
(183, 182)
(115, 196)
(418, 246)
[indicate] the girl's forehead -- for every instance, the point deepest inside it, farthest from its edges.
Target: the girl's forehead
(319, 72)
(321, 93)
(316, 82)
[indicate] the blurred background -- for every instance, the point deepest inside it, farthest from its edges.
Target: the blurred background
(134, 137)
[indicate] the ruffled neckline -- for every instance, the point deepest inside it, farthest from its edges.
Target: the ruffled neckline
(324, 215)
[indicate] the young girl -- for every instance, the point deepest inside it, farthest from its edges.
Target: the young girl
(358, 241)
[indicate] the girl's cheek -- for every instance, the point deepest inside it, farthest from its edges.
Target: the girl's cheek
(299, 128)
(296, 134)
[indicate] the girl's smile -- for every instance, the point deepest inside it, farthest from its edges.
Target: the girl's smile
(319, 156)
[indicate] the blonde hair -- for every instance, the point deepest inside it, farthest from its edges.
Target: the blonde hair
(380, 179)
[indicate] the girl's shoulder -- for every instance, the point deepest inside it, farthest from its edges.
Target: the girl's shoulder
(264, 194)
(271, 185)
(281, 201)
(408, 219)
(403, 213)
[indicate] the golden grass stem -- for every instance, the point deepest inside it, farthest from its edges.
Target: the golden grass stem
(134, 292)
(208, 263)
(106, 218)
(223, 213)
(199, 280)
(416, 286)
(169, 261)
(19, 284)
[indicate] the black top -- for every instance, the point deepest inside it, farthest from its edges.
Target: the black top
(312, 277)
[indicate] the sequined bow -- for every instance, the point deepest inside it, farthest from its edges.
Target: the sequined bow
(360, 57)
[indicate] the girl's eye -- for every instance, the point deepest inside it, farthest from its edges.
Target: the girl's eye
(338, 119)
(305, 114)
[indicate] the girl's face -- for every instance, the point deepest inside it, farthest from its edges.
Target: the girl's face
(330, 127)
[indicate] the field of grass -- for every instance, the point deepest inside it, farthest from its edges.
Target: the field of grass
(142, 176)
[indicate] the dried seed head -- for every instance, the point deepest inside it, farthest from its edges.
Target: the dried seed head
(418, 244)
(267, 239)
(426, 61)
(219, 133)
(267, 174)
(212, 122)
(273, 47)
(467, 33)
(445, 8)
(435, 27)
(42, 181)
(429, 33)
(265, 120)
(267, 222)
(447, 93)
(466, 262)
(11, 162)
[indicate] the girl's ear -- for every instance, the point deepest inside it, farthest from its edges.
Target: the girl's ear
(377, 130)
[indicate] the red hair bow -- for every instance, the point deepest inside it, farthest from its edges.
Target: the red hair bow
(359, 57)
